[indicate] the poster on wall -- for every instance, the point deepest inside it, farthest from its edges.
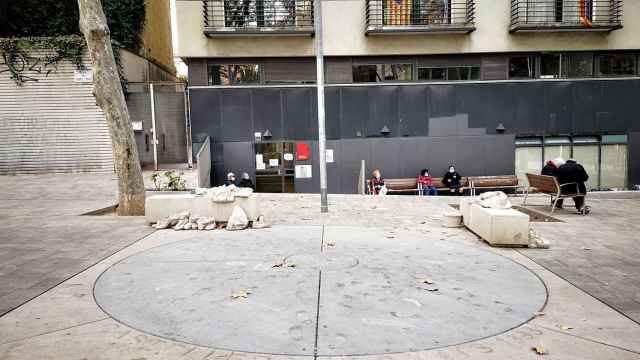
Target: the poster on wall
(303, 171)
(329, 155)
(288, 156)
(302, 151)
(273, 162)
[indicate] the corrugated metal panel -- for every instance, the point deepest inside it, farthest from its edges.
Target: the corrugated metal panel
(52, 125)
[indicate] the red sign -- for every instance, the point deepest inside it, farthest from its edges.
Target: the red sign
(302, 151)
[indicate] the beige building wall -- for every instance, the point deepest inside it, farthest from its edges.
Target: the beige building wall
(157, 34)
(344, 24)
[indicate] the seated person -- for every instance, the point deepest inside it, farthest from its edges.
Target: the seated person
(246, 182)
(377, 182)
(425, 181)
(231, 179)
(452, 180)
(572, 172)
(550, 170)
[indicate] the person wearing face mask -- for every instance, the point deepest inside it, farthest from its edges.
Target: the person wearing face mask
(452, 180)
(231, 179)
(377, 182)
(426, 183)
(246, 181)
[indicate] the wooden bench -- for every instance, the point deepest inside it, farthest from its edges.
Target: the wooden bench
(411, 185)
(493, 182)
(549, 185)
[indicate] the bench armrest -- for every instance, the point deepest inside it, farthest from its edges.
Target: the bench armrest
(571, 183)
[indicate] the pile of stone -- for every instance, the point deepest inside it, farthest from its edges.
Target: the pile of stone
(185, 221)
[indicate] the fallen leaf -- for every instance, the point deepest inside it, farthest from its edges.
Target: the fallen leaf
(331, 243)
(565, 327)
(432, 290)
(586, 248)
(538, 313)
(243, 293)
(280, 264)
(425, 280)
(291, 265)
(540, 350)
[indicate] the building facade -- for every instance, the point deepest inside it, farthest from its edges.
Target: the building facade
(494, 86)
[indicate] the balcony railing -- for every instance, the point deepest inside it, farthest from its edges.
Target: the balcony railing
(258, 17)
(565, 15)
(420, 16)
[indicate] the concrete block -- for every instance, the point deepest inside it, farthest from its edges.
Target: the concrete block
(502, 227)
(162, 206)
(465, 210)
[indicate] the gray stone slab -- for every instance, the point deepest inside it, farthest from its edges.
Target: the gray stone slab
(370, 299)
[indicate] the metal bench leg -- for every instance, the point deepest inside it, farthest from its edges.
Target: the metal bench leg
(526, 195)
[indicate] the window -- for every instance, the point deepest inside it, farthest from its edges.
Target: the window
(577, 65)
(616, 65)
(586, 152)
(449, 73)
(382, 72)
(398, 72)
(613, 163)
(234, 74)
(528, 158)
(420, 12)
(522, 67)
(432, 74)
(367, 73)
(555, 147)
(549, 66)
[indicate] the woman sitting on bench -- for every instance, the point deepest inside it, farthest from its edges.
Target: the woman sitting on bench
(452, 181)
(425, 181)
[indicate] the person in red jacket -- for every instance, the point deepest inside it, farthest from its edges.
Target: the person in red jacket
(377, 182)
(425, 182)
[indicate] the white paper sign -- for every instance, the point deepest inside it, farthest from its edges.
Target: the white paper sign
(273, 162)
(136, 125)
(83, 76)
(259, 159)
(303, 171)
(260, 166)
(288, 156)
(329, 155)
(257, 135)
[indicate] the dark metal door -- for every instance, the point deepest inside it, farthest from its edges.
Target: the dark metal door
(275, 167)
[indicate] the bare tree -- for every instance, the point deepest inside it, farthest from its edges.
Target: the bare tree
(110, 98)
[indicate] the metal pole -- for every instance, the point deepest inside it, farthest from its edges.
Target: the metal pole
(153, 128)
(317, 20)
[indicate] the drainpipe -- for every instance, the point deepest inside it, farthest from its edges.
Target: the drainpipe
(317, 20)
(154, 137)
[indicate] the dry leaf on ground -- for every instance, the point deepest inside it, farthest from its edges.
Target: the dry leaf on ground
(540, 350)
(565, 327)
(425, 280)
(538, 313)
(242, 293)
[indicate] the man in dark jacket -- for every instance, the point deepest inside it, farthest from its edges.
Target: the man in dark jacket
(550, 169)
(572, 172)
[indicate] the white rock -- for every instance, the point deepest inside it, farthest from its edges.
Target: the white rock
(260, 223)
(187, 226)
(210, 227)
(163, 224)
(238, 219)
(180, 224)
(494, 200)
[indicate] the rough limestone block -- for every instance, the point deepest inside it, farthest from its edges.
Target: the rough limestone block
(161, 206)
(465, 210)
(157, 207)
(502, 227)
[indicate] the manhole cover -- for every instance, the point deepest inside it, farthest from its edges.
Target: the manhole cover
(369, 294)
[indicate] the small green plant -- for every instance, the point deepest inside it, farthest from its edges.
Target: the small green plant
(157, 182)
(175, 182)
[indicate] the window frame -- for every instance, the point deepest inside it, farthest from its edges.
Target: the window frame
(260, 72)
(380, 71)
(598, 69)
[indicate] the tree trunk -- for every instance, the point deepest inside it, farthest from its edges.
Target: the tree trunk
(110, 98)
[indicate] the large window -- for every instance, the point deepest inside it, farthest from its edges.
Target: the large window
(578, 65)
(452, 73)
(603, 158)
(549, 66)
(382, 72)
(416, 12)
(227, 74)
(522, 67)
(616, 65)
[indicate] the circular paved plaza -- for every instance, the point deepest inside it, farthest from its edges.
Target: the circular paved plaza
(325, 290)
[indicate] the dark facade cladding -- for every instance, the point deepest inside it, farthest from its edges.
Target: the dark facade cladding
(430, 125)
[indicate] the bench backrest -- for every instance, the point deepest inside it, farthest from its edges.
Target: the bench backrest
(494, 181)
(544, 183)
(401, 184)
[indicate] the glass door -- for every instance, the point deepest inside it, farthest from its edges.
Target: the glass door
(275, 168)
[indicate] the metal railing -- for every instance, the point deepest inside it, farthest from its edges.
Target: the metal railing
(566, 15)
(420, 16)
(275, 17)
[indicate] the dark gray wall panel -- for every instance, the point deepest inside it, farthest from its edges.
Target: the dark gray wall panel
(355, 105)
(384, 111)
(500, 154)
(384, 156)
(441, 152)
(311, 185)
(267, 112)
(584, 95)
(470, 158)
(197, 71)
(529, 107)
(334, 169)
(237, 122)
(238, 158)
(332, 112)
(613, 99)
(442, 100)
(413, 111)
(299, 113)
(288, 69)
(412, 156)
(495, 67)
(352, 152)
(557, 108)
(206, 110)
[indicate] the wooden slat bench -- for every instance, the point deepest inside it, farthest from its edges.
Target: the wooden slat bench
(549, 185)
(411, 185)
(493, 182)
